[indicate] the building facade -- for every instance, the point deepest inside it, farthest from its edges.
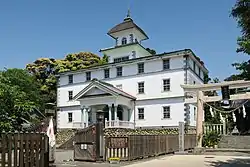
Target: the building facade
(135, 89)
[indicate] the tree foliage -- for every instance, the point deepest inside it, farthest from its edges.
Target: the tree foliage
(241, 12)
(46, 69)
(19, 95)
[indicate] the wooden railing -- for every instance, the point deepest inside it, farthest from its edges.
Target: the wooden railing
(218, 128)
(119, 124)
(141, 146)
(24, 149)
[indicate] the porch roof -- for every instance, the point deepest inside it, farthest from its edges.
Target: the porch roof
(106, 87)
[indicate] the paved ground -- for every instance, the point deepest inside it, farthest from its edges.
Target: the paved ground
(196, 161)
(214, 159)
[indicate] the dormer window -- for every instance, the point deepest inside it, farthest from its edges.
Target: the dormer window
(131, 38)
(124, 41)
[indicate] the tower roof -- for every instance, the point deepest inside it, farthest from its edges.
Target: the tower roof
(127, 23)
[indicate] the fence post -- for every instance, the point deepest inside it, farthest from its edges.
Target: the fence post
(181, 138)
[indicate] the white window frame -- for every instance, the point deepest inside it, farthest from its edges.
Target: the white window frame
(163, 85)
(139, 113)
(69, 117)
(166, 114)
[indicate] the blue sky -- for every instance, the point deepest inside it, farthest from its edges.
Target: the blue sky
(53, 28)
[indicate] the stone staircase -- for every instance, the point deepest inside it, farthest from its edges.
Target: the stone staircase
(234, 142)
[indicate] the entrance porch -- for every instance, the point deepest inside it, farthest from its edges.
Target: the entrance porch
(118, 106)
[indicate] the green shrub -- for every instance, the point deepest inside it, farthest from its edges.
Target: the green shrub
(211, 139)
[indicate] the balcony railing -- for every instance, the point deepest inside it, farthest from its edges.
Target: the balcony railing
(119, 124)
(78, 125)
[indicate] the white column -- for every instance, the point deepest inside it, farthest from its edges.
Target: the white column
(129, 111)
(115, 112)
(82, 116)
(110, 113)
(87, 117)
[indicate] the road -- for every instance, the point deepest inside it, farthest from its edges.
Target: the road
(215, 160)
(196, 161)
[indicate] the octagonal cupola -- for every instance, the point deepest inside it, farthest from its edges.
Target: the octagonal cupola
(127, 32)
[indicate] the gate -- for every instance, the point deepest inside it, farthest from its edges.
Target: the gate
(24, 149)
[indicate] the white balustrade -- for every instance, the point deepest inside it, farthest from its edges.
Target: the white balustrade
(78, 125)
(119, 124)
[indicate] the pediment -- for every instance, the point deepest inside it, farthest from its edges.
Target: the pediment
(95, 91)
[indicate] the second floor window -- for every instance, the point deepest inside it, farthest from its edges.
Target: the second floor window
(119, 71)
(166, 112)
(70, 117)
(140, 68)
(141, 87)
(88, 76)
(70, 95)
(106, 73)
(166, 64)
(140, 113)
(131, 38)
(120, 59)
(166, 84)
(124, 41)
(70, 79)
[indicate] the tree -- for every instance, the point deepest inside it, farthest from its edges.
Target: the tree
(19, 96)
(46, 69)
(241, 12)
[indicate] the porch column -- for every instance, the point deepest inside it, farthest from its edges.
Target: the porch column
(82, 116)
(115, 112)
(87, 117)
(110, 113)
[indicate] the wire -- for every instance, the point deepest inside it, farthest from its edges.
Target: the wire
(225, 112)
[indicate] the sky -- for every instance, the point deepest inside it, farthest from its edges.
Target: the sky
(54, 28)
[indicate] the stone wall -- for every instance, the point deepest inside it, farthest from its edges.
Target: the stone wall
(235, 142)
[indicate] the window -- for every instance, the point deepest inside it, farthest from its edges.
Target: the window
(140, 113)
(88, 76)
(166, 112)
(131, 38)
(194, 66)
(140, 68)
(120, 59)
(119, 71)
(124, 41)
(106, 73)
(70, 117)
(166, 65)
(70, 95)
(70, 79)
(166, 84)
(199, 72)
(119, 86)
(141, 87)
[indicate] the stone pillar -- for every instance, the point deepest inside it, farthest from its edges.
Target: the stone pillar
(181, 139)
(199, 123)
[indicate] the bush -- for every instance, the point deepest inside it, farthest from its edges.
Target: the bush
(211, 139)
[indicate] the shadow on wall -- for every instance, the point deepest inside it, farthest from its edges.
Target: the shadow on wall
(235, 162)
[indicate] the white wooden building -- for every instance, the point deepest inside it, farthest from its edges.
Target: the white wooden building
(135, 89)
